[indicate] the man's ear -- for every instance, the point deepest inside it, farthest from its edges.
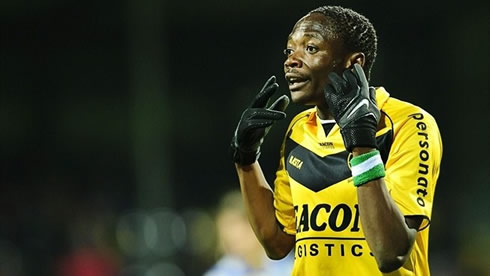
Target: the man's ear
(357, 57)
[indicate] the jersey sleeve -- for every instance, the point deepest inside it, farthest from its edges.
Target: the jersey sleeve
(283, 201)
(413, 165)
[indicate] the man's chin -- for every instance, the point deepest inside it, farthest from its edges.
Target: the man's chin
(300, 97)
(296, 95)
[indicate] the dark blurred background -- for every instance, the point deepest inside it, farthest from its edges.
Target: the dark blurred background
(116, 116)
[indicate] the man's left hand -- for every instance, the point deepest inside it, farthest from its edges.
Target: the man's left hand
(353, 105)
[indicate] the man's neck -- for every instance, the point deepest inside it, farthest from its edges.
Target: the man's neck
(324, 113)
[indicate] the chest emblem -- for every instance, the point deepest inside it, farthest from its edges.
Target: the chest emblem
(295, 162)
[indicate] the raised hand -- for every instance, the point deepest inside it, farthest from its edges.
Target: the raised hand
(353, 105)
(255, 122)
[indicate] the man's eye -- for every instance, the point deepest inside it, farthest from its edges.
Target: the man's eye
(311, 49)
(288, 52)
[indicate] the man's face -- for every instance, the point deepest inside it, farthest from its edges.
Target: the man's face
(312, 53)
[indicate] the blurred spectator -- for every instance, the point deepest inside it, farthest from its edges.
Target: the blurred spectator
(91, 253)
(242, 253)
(87, 262)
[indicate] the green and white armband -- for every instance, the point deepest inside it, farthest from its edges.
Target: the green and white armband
(367, 167)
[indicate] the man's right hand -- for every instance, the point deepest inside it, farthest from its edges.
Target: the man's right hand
(255, 122)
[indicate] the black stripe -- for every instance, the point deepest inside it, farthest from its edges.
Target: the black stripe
(384, 145)
(424, 218)
(385, 141)
(317, 173)
(327, 127)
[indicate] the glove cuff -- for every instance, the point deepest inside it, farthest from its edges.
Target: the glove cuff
(359, 137)
(244, 158)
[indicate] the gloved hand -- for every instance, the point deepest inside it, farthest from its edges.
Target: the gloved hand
(255, 122)
(353, 105)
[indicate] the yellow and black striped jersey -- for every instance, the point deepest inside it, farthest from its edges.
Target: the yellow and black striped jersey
(316, 201)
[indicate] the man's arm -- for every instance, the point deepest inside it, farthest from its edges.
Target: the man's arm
(389, 235)
(353, 105)
(253, 126)
(259, 204)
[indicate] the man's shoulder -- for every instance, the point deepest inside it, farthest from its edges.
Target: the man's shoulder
(410, 121)
(401, 111)
(301, 117)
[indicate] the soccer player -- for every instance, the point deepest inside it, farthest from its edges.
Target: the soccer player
(354, 189)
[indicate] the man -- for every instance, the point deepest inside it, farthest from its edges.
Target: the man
(355, 184)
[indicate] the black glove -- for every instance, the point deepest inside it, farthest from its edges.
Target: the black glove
(353, 105)
(255, 122)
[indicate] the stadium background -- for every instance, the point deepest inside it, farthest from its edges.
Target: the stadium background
(115, 120)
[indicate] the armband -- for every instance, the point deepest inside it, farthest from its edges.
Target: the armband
(367, 167)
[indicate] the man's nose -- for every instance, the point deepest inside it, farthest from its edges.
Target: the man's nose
(293, 61)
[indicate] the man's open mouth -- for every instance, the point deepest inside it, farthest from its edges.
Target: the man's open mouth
(296, 82)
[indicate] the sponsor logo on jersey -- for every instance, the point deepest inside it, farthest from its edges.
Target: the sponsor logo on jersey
(328, 145)
(359, 105)
(296, 162)
(338, 218)
(423, 170)
(322, 216)
(349, 158)
(330, 249)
